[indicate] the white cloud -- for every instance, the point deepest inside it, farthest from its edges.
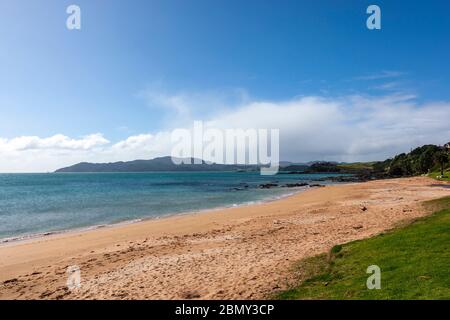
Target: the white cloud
(391, 85)
(348, 128)
(32, 153)
(142, 146)
(183, 106)
(381, 75)
(55, 142)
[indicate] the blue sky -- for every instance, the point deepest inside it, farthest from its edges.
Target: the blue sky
(118, 75)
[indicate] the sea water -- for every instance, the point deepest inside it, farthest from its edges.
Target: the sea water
(35, 204)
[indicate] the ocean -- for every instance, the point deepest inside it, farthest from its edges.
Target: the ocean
(37, 204)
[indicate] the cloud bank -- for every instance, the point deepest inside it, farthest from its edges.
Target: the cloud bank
(348, 128)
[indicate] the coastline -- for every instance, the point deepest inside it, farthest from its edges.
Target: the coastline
(37, 236)
(236, 253)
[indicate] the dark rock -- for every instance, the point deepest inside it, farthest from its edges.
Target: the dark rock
(293, 185)
(268, 185)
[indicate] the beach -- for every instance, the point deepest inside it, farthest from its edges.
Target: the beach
(245, 252)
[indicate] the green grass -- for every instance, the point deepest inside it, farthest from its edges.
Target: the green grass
(356, 166)
(435, 175)
(414, 262)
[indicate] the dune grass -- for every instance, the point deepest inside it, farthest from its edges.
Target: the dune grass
(414, 262)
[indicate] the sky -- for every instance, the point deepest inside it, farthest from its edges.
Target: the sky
(114, 90)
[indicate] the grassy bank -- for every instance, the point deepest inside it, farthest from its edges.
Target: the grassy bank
(436, 174)
(414, 262)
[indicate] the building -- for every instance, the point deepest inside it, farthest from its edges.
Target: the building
(447, 146)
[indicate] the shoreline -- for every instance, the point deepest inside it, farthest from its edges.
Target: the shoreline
(46, 234)
(236, 253)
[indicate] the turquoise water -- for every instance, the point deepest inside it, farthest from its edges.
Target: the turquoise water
(40, 203)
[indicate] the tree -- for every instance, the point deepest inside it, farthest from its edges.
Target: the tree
(441, 158)
(400, 166)
(425, 161)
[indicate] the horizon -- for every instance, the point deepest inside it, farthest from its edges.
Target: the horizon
(115, 89)
(307, 163)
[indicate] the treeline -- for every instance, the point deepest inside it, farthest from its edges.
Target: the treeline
(421, 160)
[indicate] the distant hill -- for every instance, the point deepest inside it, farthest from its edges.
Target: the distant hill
(157, 164)
(421, 160)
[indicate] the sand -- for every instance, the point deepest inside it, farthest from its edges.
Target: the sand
(238, 253)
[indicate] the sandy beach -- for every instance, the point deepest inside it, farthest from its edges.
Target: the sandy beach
(237, 253)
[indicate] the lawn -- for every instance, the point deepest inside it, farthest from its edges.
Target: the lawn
(414, 262)
(435, 175)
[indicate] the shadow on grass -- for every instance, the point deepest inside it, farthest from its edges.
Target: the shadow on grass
(441, 185)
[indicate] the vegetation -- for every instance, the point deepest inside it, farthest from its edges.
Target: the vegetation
(422, 160)
(414, 264)
(441, 158)
(357, 166)
(438, 176)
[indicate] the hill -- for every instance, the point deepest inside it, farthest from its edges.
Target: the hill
(157, 164)
(421, 160)
(427, 159)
